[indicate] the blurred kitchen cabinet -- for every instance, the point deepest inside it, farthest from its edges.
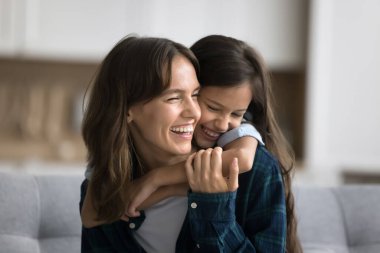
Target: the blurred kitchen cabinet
(41, 109)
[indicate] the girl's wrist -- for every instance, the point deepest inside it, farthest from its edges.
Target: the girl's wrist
(155, 178)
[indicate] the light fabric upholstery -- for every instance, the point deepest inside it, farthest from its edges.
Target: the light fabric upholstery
(361, 212)
(40, 214)
(341, 219)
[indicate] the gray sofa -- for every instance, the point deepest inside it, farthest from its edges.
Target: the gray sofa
(40, 213)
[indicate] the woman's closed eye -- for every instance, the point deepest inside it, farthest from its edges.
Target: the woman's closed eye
(195, 95)
(173, 99)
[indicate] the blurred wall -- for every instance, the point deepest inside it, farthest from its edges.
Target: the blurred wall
(343, 90)
(336, 41)
(49, 51)
(88, 29)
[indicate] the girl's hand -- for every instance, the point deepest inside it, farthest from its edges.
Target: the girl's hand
(138, 191)
(204, 172)
(144, 193)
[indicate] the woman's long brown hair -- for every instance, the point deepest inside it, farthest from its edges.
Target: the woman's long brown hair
(136, 70)
(225, 61)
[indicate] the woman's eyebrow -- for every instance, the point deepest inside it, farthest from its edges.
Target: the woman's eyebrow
(171, 91)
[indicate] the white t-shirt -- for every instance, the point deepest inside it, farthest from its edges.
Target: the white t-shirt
(162, 225)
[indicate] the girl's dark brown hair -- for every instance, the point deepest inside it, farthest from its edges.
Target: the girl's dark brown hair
(224, 62)
(137, 69)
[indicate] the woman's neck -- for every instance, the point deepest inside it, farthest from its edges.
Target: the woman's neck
(156, 161)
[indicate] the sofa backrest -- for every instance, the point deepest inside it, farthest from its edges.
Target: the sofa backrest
(39, 213)
(340, 219)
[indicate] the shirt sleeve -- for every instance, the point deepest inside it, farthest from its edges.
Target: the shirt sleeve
(214, 226)
(88, 172)
(244, 129)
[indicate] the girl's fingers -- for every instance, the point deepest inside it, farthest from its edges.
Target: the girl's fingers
(132, 210)
(124, 217)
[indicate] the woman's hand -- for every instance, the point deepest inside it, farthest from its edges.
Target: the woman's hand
(204, 172)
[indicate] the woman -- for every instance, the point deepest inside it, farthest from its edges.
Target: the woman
(145, 90)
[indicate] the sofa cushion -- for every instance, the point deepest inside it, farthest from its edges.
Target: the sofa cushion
(60, 225)
(320, 222)
(19, 213)
(39, 213)
(360, 207)
(316, 249)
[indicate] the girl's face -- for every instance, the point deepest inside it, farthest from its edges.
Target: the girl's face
(222, 109)
(163, 127)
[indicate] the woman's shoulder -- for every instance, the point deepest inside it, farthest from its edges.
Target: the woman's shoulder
(265, 165)
(265, 173)
(264, 158)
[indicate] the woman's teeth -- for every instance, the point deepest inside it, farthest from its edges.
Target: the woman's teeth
(189, 129)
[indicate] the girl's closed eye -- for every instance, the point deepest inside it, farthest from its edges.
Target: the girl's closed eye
(237, 115)
(212, 108)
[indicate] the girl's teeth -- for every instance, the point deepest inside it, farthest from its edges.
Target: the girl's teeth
(211, 133)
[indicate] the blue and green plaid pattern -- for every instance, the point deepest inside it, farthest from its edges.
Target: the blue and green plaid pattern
(253, 219)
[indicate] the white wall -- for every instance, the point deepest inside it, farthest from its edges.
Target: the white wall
(343, 89)
(87, 29)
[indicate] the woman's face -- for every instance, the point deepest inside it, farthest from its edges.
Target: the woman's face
(163, 127)
(222, 109)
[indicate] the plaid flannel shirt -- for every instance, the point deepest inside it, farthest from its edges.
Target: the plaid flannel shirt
(253, 219)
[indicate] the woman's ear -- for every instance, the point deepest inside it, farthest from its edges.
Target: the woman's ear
(129, 116)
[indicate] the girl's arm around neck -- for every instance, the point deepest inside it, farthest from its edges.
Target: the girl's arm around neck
(244, 149)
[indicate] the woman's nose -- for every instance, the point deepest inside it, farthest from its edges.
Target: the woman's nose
(192, 109)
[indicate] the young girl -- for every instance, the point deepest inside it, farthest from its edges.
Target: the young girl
(227, 62)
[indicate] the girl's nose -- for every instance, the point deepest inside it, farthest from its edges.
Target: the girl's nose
(222, 124)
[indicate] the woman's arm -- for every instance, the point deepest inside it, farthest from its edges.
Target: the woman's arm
(254, 222)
